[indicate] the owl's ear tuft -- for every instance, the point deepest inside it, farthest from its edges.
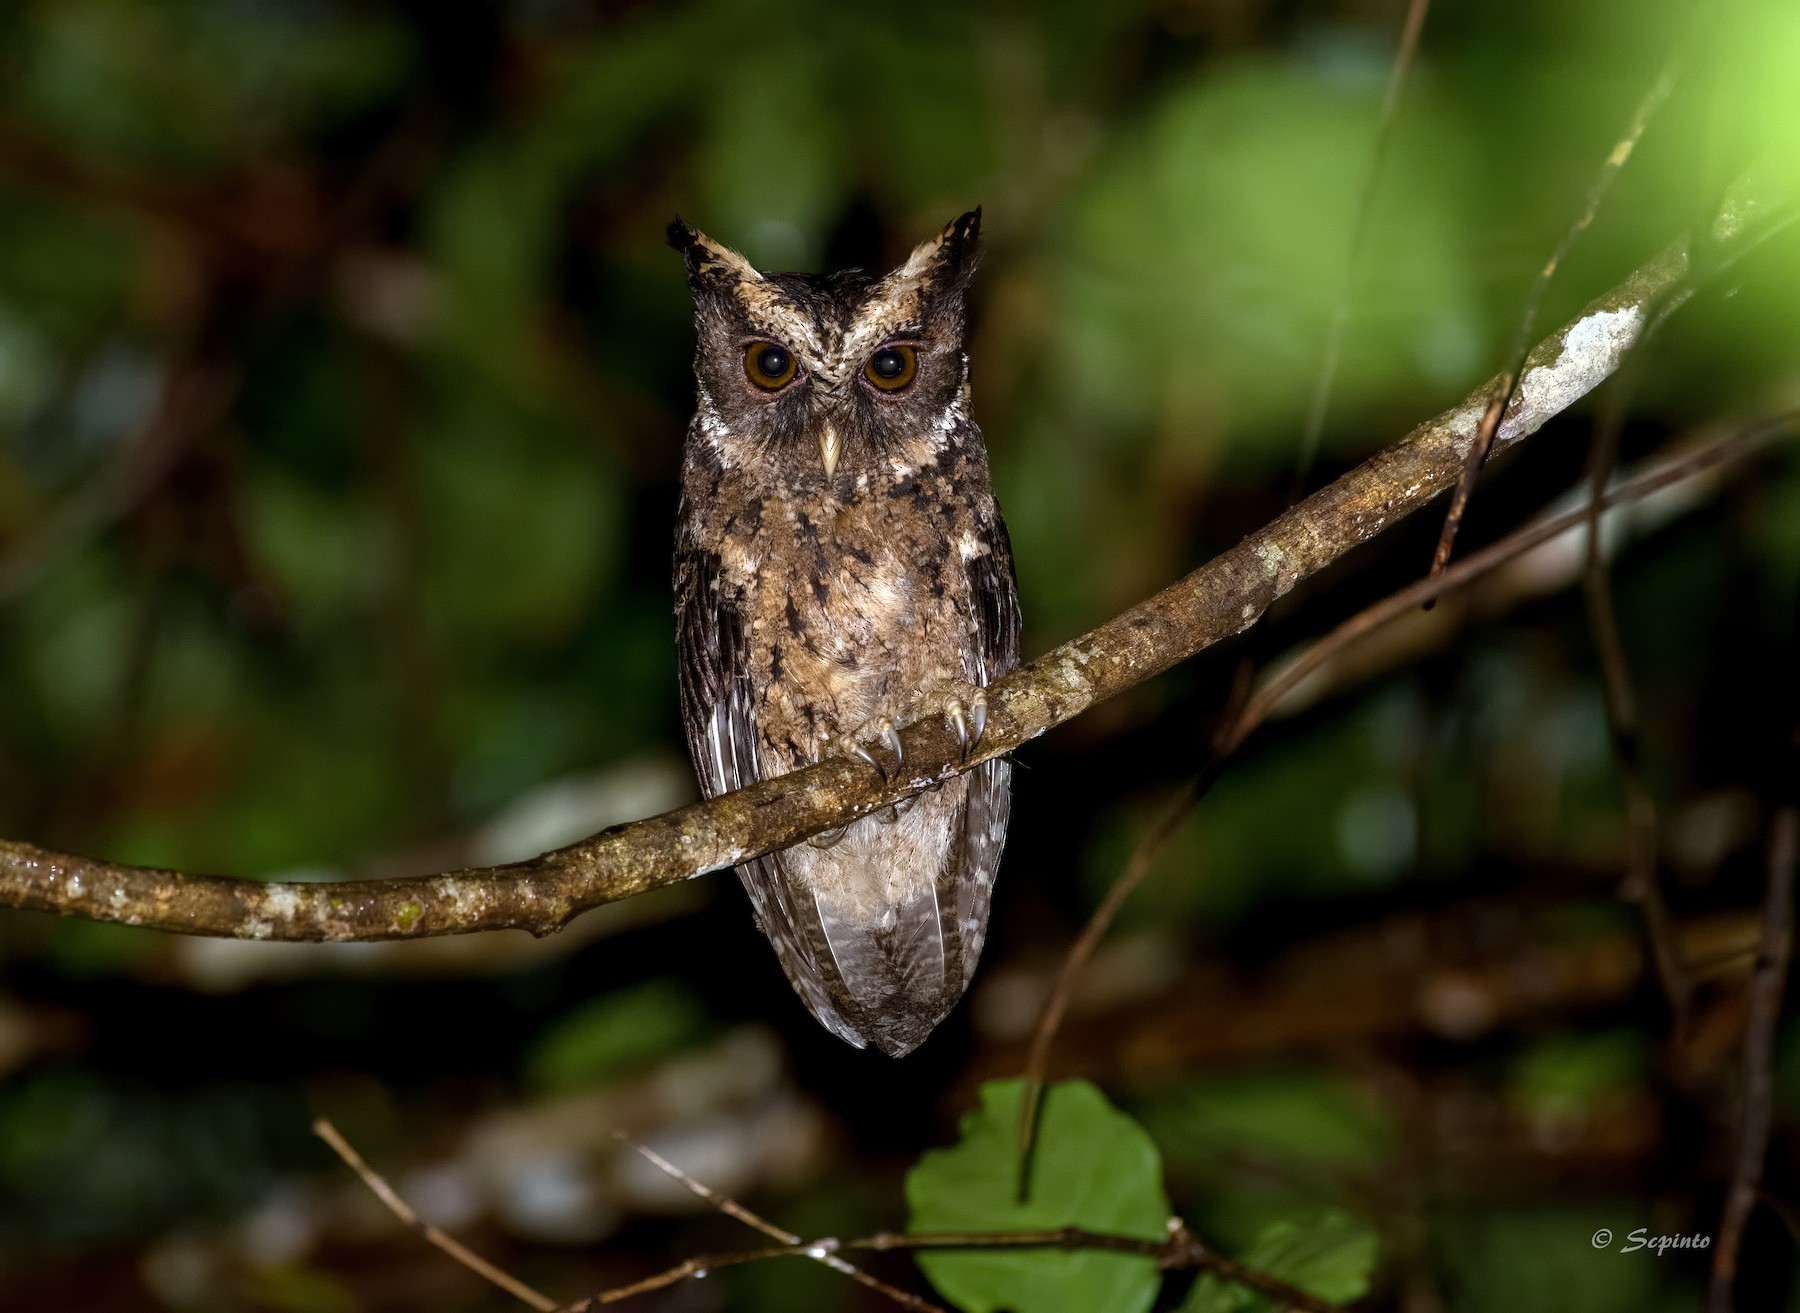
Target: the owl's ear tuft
(946, 261)
(707, 261)
(682, 238)
(962, 234)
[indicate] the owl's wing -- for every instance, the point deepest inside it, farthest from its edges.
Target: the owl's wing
(995, 595)
(716, 696)
(996, 609)
(718, 704)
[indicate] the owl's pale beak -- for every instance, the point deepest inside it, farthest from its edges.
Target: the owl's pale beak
(831, 446)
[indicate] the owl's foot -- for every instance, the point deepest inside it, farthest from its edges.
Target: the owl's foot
(859, 742)
(965, 712)
(879, 732)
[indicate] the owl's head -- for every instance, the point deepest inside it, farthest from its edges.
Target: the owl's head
(827, 376)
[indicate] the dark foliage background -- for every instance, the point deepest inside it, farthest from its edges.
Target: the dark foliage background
(342, 380)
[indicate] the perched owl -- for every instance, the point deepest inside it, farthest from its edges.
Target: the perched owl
(841, 569)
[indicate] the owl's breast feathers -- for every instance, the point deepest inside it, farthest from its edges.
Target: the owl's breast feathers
(803, 616)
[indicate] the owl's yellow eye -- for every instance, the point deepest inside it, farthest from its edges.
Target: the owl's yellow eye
(892, 367)
(769, 365)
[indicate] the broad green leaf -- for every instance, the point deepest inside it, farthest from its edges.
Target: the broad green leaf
(1094, 1168)
(1330, 1254)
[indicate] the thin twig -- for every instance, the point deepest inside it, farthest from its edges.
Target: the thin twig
(819, 1252)
(1701, 460)
(1180, 1250)
(1359, 232)
(448, 1244)
(724, 1203)
(1502, 396)
(1143, 858)
(1766, 986)
(692, 1269)
(1236, 728)
(1643, 885)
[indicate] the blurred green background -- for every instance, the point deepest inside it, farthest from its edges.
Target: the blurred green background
(343, 374)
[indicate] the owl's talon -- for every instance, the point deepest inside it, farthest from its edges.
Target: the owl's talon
(858, 744)
(827, 838)
(854, 749)
(967, 720)
(956, 715)
(890, 738)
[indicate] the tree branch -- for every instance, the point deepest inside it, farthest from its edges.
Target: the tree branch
(1223, 597)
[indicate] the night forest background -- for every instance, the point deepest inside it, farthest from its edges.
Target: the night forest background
(343, 377)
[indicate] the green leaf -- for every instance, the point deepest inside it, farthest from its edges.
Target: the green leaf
(1330, 1254)
(1094, 1168)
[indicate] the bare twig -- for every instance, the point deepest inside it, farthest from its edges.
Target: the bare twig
(692, 1269)
(1348, 990)
(787, 1244)
(1359, 234)
(1502, 395)
(1766, 986)
(824, 1252)
(1179, 1251)
(1143, 857)
(1701, 460)
(448, 1244)
(1221, 598)
(1642, 883)
(1237, 726)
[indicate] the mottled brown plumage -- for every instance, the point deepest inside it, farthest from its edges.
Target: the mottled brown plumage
(841, 567)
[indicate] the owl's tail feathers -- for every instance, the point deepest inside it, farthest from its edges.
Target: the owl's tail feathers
(872, 973)
(893, 977)
(781, 915)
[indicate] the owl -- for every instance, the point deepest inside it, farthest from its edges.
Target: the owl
(841, 569)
